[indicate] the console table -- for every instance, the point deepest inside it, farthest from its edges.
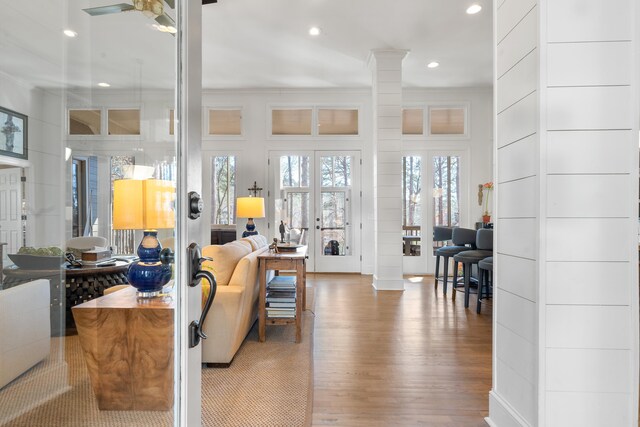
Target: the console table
(128, 346)
(69, 287)
(282, 261)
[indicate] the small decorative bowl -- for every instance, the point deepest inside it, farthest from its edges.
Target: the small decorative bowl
(35, 262)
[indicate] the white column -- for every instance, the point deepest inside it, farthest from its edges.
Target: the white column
(386, 66)
(566, 294)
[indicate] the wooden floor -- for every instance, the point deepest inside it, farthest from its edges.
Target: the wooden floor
(390, 358)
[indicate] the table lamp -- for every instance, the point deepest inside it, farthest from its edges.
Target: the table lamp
(148, 205)
(250, 207)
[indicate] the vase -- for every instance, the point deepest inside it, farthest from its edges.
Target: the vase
(149, 274)
(486, 219)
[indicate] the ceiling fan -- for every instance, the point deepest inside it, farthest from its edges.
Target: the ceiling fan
(150, 8)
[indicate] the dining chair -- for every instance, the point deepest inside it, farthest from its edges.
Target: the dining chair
(484, 245)
(463, 239)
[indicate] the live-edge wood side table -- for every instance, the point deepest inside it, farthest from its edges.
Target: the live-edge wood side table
(282, 261)
(128, 346)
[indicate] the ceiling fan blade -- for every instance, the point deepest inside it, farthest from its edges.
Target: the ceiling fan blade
(166, 20)
(209, 2)
(106, 10)
(171, 3)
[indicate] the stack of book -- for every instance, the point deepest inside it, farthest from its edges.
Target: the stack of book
(281, 297)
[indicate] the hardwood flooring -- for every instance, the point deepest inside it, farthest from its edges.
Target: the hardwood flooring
(389, 358)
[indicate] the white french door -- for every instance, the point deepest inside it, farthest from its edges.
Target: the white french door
(435, 193)
(316, 195)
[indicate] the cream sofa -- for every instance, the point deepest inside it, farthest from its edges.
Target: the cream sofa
(235, 307)
(25, 328)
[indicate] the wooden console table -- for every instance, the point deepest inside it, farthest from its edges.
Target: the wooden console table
(282, 261)
(128, 346)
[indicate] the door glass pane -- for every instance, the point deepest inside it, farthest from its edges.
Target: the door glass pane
(297, 216)
(294, 171)
(446, 191)
(336, 171)
(411, 205)
(334, 223)
(67, 358)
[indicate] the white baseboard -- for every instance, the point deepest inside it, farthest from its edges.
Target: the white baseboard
(388, 284)
(501, 414)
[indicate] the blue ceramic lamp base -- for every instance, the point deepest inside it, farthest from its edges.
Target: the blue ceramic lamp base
(149, 274)
(251, 229)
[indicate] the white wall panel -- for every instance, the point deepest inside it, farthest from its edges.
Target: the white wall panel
(518, 315)
(518, 121)
(515, 162)
(588, 196)
(574, 326)
(518, 276)
(521, 41)
(600, 152)
(510, 14)
(589, 64)
(587, 239)
(590, 20)
(519, 82)
(583, 108)
(596, 283)
(586, 370)
(517, 237)
(588, 409)
(517, 353)
(517, 391)
(518, 199)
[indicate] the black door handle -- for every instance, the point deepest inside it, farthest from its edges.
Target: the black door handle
(196, 273)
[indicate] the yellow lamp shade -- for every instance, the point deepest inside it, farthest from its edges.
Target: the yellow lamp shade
(143, 204)
(250, 207)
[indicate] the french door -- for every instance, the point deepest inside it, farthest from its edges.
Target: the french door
(81, 82)
(434, 188)
(316, 196)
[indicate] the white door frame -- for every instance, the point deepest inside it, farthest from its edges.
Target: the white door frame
(188, 103)
(11, 209)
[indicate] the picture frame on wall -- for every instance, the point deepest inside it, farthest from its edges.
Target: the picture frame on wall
(13, 134)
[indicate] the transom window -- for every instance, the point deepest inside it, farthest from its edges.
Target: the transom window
(225, 122)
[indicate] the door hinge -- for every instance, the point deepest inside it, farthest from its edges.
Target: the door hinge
(361, 161)
(360, 193)
(360, 257)
(23, 179)
(268, 225)
(360, 226)
(268, 193)
(269, 162)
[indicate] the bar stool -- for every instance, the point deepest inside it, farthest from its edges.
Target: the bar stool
(461, 237)
(485, 269)
(484, 244)
(440, 234)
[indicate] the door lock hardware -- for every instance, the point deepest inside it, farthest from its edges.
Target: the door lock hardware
(196, 273)
(196, 205)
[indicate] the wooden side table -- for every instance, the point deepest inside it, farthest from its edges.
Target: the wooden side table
(128, 347)
(277, 262)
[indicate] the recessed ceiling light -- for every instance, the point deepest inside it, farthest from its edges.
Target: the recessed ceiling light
(433, 64)
(70, 33)
(474, 8)
(314, 31)
(103, 84)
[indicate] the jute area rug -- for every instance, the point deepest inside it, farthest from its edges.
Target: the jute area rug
(268, 384)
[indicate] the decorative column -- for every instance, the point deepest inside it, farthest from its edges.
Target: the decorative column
(386, 66)
(566, 268)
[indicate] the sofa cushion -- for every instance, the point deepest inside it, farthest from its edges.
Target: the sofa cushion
(225, 258)
(258, 241)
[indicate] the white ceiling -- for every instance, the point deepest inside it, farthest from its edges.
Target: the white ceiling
(250, 43)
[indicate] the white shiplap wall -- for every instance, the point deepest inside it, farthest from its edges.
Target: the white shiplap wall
(387, 182)
(513, 400)
(566, 323)
(590, 277)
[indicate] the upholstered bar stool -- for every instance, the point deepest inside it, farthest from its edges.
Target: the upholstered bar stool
(485, 269)
(484, 244)
(463, 239)
(440, 234)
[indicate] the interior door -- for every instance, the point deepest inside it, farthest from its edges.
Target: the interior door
(316, 195)
(11, 209)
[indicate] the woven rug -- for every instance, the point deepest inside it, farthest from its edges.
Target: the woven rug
(268, 384)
